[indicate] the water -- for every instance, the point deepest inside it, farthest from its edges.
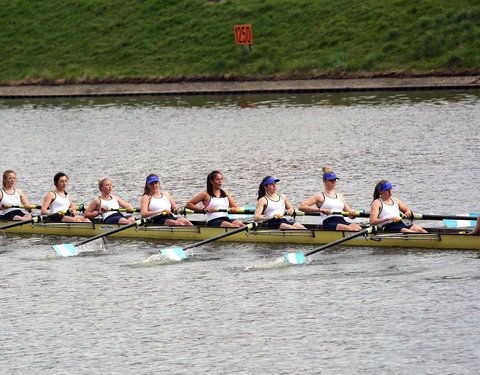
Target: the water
(349, 311)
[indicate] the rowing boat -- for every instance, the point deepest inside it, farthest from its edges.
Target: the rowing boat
(437, 238)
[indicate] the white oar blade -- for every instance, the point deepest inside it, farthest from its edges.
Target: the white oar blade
(295, 258)
(65, 250)
(175, 253)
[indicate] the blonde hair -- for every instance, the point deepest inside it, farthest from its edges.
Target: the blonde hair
(101, 182)
(326, 169)
(5, 176)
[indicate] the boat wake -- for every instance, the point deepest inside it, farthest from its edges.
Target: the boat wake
(156, 260)
(277, 263)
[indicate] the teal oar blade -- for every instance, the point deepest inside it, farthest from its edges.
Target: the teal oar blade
(65, 250)
(179, 253)
(295, 258)
(174, 253)
(299, 258)
(72, 249)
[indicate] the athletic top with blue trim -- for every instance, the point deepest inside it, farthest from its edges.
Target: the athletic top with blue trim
(217, 203)
(109, 203)
(159, 204)
(332, 204)
(11, 200)
(388, 210)
(59, 203)
(274, 207)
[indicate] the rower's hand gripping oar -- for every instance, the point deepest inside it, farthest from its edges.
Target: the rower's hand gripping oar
(178, 253)
(68, 250)
(299, 258)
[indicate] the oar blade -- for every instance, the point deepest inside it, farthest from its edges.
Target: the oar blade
(174, 253)
(65, 250)
(295, 258)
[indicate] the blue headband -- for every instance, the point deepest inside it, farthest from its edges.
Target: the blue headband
(385, 186)
(152, 179)
(330, 176)
(270, 180)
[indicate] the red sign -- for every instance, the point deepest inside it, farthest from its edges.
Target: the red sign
(243, 34)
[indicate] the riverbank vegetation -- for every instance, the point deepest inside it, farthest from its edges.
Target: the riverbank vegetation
(155, 40)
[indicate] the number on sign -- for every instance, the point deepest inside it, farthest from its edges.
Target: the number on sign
(243, 34)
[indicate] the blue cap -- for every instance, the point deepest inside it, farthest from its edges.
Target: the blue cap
(385, 186)
(330, 176)
(270, 180)
(152, 179)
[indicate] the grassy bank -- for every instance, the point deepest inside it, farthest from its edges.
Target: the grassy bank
(105, 39)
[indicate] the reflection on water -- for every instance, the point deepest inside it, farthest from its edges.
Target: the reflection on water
(349, 310)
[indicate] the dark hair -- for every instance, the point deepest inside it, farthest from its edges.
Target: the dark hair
(376, 192)
(5, 175)
(58, 176)
(211, 176)
(146, 189)
(261, 188)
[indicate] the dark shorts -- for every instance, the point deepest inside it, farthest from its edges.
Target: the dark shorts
(57, 218)
(10, 215)
(218, 221)
(275, 223)
(332, 222)
(115, 218)
(396, 227)
(160, 220)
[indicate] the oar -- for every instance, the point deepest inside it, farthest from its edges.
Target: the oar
(343, 213)
(37, 206)
(122, 210)
(243, 210)
(67, 249)
(299, 258)
(178, 253)
(443, 217)
(35, 219)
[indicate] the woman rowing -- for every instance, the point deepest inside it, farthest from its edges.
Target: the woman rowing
(11, 198)
(59, 202)
(154, 202)
(272, 204)
(385, 207)
(107, 205)
(216, 202)
(328, 203)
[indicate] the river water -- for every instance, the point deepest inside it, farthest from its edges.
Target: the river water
(348, 311)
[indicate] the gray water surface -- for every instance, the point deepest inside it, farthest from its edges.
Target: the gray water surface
(350, 310)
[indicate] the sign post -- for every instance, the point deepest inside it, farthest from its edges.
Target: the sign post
(243, 35)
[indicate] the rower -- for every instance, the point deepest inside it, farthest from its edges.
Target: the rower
(270, 204)
(329, 201)
(9, 196)
(385, 208)
(107, 205)
(214, 199)
(58, 201)
(154, 202)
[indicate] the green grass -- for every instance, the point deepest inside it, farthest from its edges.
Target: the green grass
(105, 39)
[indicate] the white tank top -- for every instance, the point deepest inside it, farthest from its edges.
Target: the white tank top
(388, 210)
(219, 203)
(10, 199)
(59, 203)
(159, 204)
(332, 204)
(109, 203)
(274, 207)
